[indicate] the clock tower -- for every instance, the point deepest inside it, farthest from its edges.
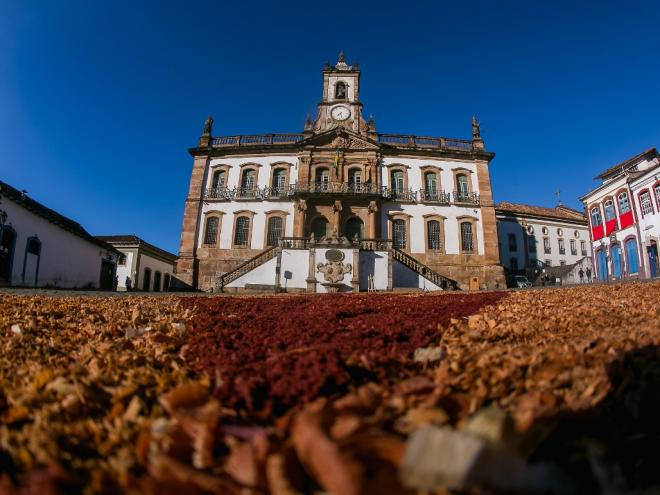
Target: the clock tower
(340, 106)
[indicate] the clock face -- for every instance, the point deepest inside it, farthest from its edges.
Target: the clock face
(340, 112)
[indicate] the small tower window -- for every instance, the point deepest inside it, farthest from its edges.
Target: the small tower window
(340, 90)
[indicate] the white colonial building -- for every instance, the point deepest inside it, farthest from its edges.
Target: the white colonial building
(401, 210)
(41, 248)
(141, 266)
(534, 238)
(625, 219)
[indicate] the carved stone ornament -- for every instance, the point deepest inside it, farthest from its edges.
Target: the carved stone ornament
(334, 255)
(302, 205)
(334, 271)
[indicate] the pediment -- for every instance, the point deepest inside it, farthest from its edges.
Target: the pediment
(340, 139)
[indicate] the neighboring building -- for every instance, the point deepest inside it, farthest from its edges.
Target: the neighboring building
(427, 200)
(568, 274)
(532, 238)
(41, 248)
(625, 219)
(149, 267)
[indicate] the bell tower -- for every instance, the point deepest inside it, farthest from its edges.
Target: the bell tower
(340, 106)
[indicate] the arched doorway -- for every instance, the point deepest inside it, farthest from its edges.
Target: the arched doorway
(601, 257)
(354, 226)
(319, 227)
(653, 259)
(616, 261)
(7, 247)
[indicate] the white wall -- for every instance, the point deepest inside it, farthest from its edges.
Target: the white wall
(258, 220)
(262, 275)
(373, 263)
(155, 264)
(416, 214)
(125, 270)
(415, 174)
(264, 171)
(66, 261)
(505, 227)
(295, 264)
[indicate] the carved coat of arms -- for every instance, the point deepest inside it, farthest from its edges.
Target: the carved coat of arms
(334, 270)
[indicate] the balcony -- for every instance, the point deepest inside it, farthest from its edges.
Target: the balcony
(333, 188)
(219, 193)
(466, 198)
(437, 197)
(302, 189)
(396, 194)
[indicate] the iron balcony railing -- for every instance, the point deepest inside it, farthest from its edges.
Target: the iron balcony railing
(397, 194)
(367, 189)
(466, 197)
(334, 188)
(440, 197)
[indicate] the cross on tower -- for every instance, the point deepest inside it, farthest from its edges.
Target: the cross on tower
(558, 194)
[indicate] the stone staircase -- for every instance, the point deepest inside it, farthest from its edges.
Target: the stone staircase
(246, 266)
(421, 269)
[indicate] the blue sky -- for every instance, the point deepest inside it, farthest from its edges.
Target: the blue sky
(99, 101)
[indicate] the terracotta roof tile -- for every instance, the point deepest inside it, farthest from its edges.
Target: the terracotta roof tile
(626, 163)
(559, 212)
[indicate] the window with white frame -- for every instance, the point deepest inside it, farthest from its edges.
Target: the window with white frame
(610, 214)
(430, 184)
(279, 180)
(322, 179)
(354, 179)
(645, 203)
(624, 203)
(462, 187)
(573, 247)
(219, 179)
(397, 181)
(583, 247)
(546, 245)
(248, 182)
(562, 247)
(657, 195)
(595, 217)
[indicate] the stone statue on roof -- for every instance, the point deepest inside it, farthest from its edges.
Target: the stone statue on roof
(476, 128)
(208, 126)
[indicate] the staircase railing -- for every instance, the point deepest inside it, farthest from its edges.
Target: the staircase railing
(246, 266)
(423, 270)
